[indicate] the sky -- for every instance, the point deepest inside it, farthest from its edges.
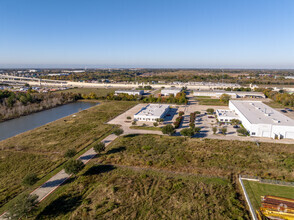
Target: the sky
(147, 33)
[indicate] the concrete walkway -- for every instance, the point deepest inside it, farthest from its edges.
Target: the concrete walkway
(54, 182)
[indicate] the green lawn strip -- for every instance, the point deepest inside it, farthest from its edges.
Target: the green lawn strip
(256, 189)
(97, 91)
(146, 128)
(208, 101)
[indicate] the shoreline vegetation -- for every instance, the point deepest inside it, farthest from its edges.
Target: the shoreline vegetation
(16, 104)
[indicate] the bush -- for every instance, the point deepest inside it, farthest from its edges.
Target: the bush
(134, 123)
(22, 207)
(129, 117)
(210, 111)
(118, 131)
(70, 153)
(98, 148)
(223, 130)
(197, 130)
(181, 113)
(168, 129)
(30, 179)
(188, 132)
(178, 121)
(155, 124)
(225, 98)
(73, 166)
(243, 131)
(192, 125)
(214, 129)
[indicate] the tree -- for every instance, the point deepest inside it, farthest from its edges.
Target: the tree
(134, 123)
(214, 129)
(243, 131)
(168, 129)
(235, 122)
(98, 148)
(70, 153)
(30, 179)
(181, 113)
(118, 131)
(223, 130)
(188, 132)
(155, 124)
(73, 166)
(225, 98)
(22, 207)
(197, 113)
(210, 111)
(192, 125)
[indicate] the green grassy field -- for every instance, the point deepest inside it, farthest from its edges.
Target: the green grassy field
(255, 190)
(98, 91)
(209, 101)
(109, 192)
(146, 128)
(206, 156)
(41, 150)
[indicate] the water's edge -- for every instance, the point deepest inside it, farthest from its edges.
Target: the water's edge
(25, 123)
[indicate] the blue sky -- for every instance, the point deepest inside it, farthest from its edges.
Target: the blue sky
(147, 33)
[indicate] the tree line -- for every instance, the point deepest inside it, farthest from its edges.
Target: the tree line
(15, 104)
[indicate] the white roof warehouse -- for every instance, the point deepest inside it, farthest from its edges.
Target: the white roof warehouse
(263, 121)
(151, 112)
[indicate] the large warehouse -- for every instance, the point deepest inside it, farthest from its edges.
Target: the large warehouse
(129, 92)
(151, 112)
(233, 94)
(263, 121)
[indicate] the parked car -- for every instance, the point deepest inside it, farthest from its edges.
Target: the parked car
(289, 109)
(210, 116)
(236, 126)
(284, 111)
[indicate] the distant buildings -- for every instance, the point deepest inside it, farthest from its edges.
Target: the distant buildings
(233, 94)
(171, 91)
(152, 112)
(129, 92)
(263, 121)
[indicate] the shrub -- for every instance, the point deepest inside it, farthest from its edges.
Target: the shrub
(225, 98)
(129, 117)
(214, 129)
(197, 130)
(243, 131)
(192, 125)
(155, 124)
(99, 147)
(223, 130)
(70, 153)
(73, 166)
(22, 207)
(118, 131)
(134, 123)
(210, 111)
(181, 113)
(168, 129)
(30, 179)
(188, 132)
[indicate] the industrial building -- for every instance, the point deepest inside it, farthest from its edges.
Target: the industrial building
(263, 121)
(233, 94)
(171, 91)
(129, 92)
(226, 115)
(151, 112)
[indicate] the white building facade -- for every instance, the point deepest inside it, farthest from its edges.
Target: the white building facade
(263, 121)
(171, 91)
(226, 115)
(233, 94)
(129, 92)
(151, 112)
